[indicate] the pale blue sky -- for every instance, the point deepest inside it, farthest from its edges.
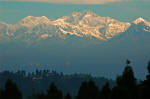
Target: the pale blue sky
(126, 10)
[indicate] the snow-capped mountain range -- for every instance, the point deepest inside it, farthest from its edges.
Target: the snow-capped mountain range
(78, 24)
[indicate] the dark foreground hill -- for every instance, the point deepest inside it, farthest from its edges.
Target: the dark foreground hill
(126, 86)
(40, 80)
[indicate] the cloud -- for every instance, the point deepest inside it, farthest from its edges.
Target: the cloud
(71, 1)
(142, 0)
(78, 1)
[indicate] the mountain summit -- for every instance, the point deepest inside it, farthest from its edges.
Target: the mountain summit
(30, 21)
(141, 20)
(78, 24)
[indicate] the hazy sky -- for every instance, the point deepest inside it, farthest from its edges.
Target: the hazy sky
(11, 11)
(71, 1)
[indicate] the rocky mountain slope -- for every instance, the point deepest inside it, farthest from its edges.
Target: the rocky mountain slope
(79, 24)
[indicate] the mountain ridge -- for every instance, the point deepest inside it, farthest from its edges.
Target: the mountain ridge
(79, 24)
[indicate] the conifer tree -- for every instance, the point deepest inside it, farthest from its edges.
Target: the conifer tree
(82, 93)
(88, 90)
(68, 96)
(53, 92)
(93, 90)
(146, 85)
(105, 92)
(126, 84)
(11, 91)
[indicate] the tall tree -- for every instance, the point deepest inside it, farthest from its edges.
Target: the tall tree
(93, 90)
(11, 91)
(1, 93)
(126, 84)
(146, 85)
(88, 90)
(38, 96)
(148, 67)
(53, 92)
(105, 92)
(68, 96)
(82, 93)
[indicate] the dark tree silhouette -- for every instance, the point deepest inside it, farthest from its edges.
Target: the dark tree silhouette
(38, 81)
(0, 93)
(146, 85)
(82, 93)
(148, 67)
(105, 92)
(126, 84)
(68, 96)
(11, 91)
(128, 62)
(53, 92)
(38, 96)
(88, 90)
(93, 90)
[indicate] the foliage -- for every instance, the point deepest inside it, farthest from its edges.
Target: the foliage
(126, 88)
(11, 91)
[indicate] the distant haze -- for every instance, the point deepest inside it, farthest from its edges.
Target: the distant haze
(70, 38)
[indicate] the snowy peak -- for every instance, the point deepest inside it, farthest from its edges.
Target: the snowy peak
(73, 18)
(88, 13)
(77, 24)
(30, 21)
(90, 24)
(141, 20)
(76, 17)
(83, 14)
(88, 18)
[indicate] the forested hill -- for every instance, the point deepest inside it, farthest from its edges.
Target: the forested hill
(39, 81)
